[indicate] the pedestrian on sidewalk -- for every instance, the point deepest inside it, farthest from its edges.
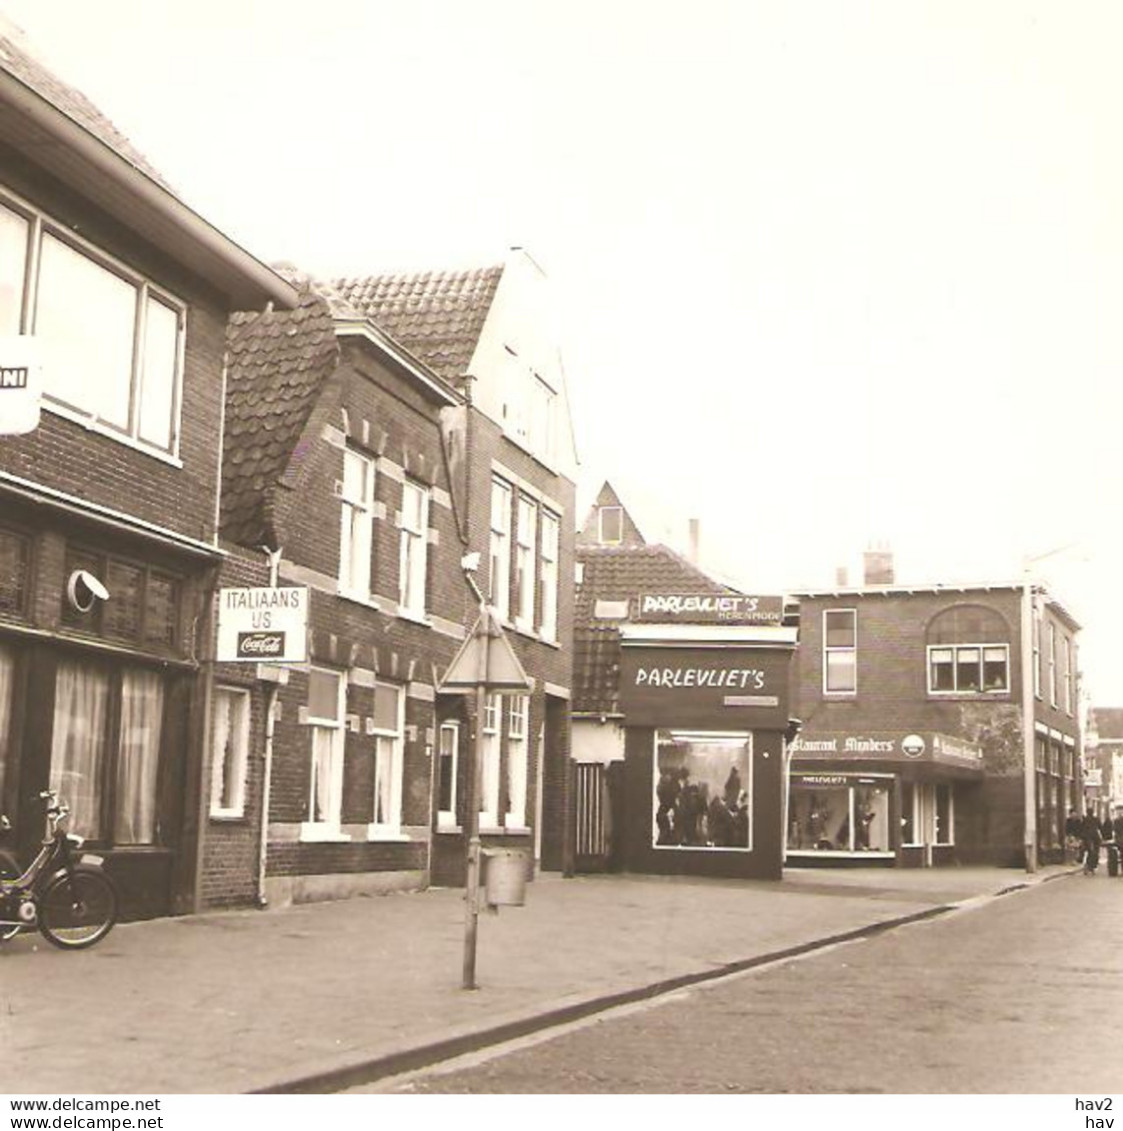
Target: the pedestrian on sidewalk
(1090, 837)
(1072, 835)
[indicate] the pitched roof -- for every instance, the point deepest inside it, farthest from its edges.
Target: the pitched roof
(437, 315)
(19, 59)
(619, 574)
(279, 361)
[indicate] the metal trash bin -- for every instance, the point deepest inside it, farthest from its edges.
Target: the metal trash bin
(505, 877)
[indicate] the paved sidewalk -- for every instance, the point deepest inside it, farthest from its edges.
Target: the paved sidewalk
(247, 1000)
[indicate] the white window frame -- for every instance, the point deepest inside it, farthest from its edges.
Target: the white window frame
(490, 762)
(1066, 681)
(1052, 664)
(393, 743)
(446, 818)
(356, 518)
(543, 417)
(526, 537)
(911, 791)
(334, 731)
(499, 567)
(950, 841)
(413, 557)
(518, 761)
(42, 224)
(833, 649)
(548, 574)
(982, 649)
(619, 512)
(239, 739)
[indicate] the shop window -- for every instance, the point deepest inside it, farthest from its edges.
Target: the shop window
(499, 572)
(105, 762)
(389, 703)
(840, 650)
(325, 716)
(7, 706)
(138, 756)
(488, 782)
(910, 819)
(548, 575)
(356, 525)
(15, 555)
(703, 791)
(448, 755)
(526, 532)
(413, 558)
(230, 736)
(834, 813)
(517, 710)
(943, 833)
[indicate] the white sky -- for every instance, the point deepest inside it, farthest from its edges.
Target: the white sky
(828, 273)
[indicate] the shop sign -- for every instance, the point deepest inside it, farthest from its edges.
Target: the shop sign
(709, 608)
(704, 687)
(263, 625)
(1094, 777)
(21, 385)
(900, 747)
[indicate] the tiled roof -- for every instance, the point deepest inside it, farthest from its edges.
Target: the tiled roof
(437, 315)
(619, 573)
(19, 61)
(279, 361)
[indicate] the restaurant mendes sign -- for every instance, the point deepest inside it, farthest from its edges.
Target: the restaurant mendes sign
(707, 688)
(708, 608)
(900, 747)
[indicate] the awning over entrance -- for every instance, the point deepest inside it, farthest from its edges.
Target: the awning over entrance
(895, 750)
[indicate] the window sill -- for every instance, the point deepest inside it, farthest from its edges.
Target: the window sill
(385, 834)
(312, 832)
(996, 694)
(453, 830)
(416, 618)
(227, 817)
(516, 830)
(841, 694)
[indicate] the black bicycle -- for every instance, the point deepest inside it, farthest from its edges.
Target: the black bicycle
(64, 892)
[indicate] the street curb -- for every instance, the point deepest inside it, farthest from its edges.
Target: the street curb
(371, 1069)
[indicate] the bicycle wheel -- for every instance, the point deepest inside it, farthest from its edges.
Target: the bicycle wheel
(77, 910)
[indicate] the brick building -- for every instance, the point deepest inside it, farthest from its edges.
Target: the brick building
(932, 716)
(489, 333)
(1103, 760)
(679, 760)
(108, 507)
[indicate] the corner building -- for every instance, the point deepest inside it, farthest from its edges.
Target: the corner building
(924, 711)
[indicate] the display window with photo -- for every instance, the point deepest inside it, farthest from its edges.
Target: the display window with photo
(703, 790)
(830, 813)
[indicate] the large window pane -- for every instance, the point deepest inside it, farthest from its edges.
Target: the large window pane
(323, 695)
(138, 757)
(841, 671)
(78, 743)
(994, 669)
(230, 748)
(13, 267)
(967, 669)
(86, 319)
(840, 629)
(159, 359)
(942, 669)
(13, 572)
(703, 791)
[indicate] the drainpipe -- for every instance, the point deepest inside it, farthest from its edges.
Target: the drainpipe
(274, 557)
(1029, 764)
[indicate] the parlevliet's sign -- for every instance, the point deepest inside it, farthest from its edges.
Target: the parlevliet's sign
(708, 688)
(21, 385)
(263, 625)
(709, 608)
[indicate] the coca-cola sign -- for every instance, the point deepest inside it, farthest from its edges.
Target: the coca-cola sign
(261, 645)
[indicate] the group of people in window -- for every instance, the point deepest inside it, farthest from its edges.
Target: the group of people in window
(693, 814)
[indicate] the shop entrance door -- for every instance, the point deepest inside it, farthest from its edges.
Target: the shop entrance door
(594, 817)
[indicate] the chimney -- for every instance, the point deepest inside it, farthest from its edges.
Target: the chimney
(841, 577)
(877, 566)
(695, 537)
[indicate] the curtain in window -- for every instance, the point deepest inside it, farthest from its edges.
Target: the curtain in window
(138, 756)
(7, 679)
(78, 743)
(323, 807)
(384, 784)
